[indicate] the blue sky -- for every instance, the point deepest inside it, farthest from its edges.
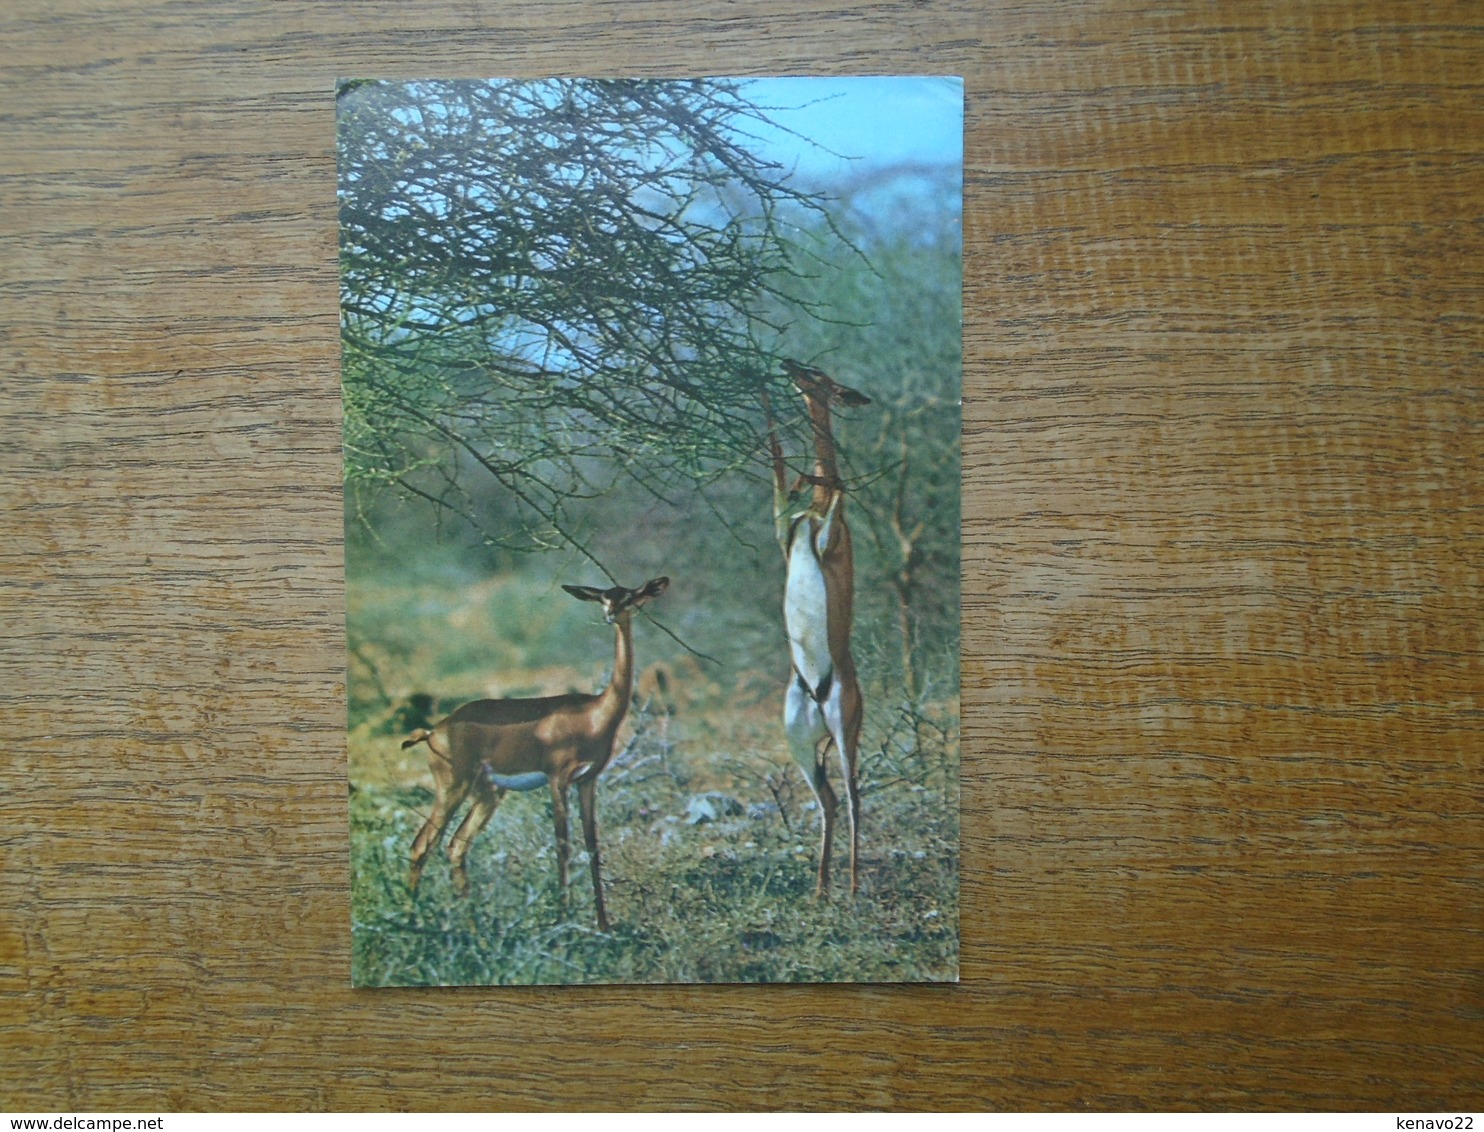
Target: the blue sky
(873, 121)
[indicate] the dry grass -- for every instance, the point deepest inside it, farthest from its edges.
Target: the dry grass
(724, 900)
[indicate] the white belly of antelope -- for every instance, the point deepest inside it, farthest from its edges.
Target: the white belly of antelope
(528, 781)
(806, 611)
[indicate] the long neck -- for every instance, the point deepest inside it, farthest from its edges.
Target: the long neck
(826, 472)
(615, 697)
(782, 520)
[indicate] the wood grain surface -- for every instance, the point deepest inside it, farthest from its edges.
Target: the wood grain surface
(1224, 533)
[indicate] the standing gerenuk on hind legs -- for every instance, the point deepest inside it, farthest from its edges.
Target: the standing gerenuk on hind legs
(823, 707)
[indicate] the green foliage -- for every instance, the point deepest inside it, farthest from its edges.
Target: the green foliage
(554, 285)
(893, 329)
(560, 303)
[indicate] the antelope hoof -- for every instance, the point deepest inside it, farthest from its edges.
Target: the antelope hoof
(460, 882)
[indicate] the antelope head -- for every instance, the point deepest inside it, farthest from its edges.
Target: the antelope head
(619, 602)
(821, 386)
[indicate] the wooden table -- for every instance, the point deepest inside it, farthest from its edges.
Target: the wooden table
(1224, 533)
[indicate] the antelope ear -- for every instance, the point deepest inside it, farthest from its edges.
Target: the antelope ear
(851, 397)
(584, 593)
(652, 588)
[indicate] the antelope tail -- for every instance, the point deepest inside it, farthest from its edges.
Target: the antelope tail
(418, 736)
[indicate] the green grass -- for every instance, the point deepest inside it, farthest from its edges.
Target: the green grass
(730, 900)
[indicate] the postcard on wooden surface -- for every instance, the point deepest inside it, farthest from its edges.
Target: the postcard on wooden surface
(652, 406)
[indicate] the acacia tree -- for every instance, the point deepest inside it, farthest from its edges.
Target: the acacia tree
(546, 285)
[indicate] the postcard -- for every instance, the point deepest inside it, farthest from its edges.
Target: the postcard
(652, 403)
